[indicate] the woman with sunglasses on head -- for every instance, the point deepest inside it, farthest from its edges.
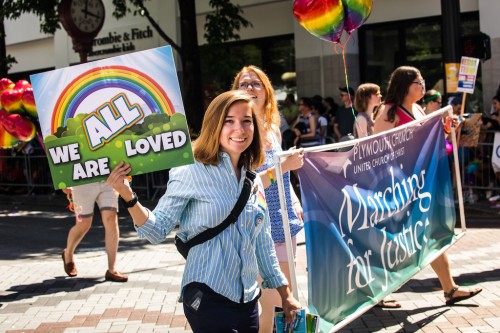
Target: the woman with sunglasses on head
(366, 101)
(256, 83)
(406, 87)
(432, 101)
(219, 283)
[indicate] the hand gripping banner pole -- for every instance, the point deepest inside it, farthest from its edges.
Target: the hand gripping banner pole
(286, 222)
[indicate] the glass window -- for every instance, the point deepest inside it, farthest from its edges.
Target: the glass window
(385, 46)
(275, 55)
(423, 50)
(380, 60)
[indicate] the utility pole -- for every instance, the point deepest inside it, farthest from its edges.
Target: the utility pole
(451, 33)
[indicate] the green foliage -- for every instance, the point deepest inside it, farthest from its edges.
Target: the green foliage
(9, 60)
(74, 124)
(223, 24)
(151, 122)
(121, 8)
(46, 10)
(50, 138)
(59, 133)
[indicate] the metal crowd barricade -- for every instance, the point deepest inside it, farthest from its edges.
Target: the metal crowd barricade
(29, 174)
(478, 177)
(22, 174)
(150, 185)
(14, 172)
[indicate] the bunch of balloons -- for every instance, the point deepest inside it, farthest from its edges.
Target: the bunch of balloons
(327, 19)
(18, 113)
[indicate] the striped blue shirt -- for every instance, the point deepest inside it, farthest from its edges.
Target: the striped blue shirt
(201, 196)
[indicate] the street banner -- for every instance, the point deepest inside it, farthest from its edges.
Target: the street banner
(495, 158)
(375, 216)
(451, 70)
(467, 74)
(127, 108)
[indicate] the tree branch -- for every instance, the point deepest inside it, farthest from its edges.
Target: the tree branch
(163, 35)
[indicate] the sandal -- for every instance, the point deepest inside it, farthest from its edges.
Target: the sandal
(388, 303)
(450, 299)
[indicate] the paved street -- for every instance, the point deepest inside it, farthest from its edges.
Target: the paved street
(36, 295)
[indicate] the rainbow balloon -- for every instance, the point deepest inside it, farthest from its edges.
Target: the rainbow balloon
(322, 18)
(356, 13)
(7, 140)
(122, 77)
(327, 19)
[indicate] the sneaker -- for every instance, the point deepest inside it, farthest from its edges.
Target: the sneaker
(494, 198)
(115, 277)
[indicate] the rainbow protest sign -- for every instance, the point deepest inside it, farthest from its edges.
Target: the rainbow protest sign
(127, 108)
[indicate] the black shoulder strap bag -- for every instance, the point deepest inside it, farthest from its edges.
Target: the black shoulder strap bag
(208, 234)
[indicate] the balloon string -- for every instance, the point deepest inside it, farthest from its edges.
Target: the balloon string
(342, 46)
(73, 208)
(77, 209)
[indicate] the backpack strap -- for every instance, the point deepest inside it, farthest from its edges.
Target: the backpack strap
(231, 218)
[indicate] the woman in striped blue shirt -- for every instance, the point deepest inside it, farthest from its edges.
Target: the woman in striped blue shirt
(219, 288)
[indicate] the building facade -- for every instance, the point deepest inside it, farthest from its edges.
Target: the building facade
(397, 32)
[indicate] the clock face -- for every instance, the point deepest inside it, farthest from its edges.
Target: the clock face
(87, 15)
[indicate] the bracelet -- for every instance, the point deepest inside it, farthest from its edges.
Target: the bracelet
(447, 131)
(270, 174)
(131, 203)
(295, 202)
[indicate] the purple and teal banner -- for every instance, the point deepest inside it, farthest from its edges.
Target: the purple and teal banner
(375, 216)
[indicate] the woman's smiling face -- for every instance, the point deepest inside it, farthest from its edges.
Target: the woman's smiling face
(237, 132)
(250, 82)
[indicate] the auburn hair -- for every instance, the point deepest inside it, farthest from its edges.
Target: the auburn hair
(271, 115)
(399, 86)
(363, 95)
(207, 146)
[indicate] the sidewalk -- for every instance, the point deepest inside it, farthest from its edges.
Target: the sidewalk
(36, 296)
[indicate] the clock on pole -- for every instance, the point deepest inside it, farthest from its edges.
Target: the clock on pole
(82, 19)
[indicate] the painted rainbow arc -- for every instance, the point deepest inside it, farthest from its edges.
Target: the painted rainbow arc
(121, 77)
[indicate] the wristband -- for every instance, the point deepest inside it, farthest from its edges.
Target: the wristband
(270, 174)
(131, 203)
(446, 130)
